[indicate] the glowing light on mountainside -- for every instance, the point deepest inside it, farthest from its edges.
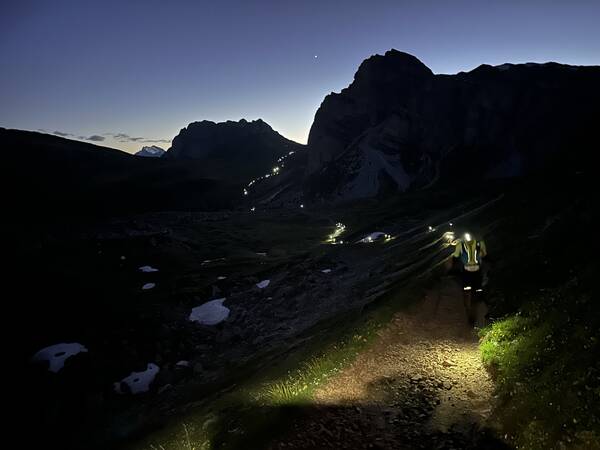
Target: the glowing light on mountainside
(338, 230)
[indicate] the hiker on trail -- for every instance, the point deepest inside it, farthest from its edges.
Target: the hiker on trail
(471, 252)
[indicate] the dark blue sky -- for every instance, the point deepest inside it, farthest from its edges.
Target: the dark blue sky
(145, 69)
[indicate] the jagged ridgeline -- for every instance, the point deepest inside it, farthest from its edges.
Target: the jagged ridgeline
(399, 126)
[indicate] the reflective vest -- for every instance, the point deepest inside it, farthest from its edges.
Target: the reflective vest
(470, 253)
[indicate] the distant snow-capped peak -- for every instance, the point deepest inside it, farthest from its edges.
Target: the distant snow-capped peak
(152, 151)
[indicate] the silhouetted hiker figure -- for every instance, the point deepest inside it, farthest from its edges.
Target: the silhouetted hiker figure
(471, 252)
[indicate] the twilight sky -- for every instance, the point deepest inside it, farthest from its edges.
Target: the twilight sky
(129, 73)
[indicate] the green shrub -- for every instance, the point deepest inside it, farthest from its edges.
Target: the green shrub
(544, 360)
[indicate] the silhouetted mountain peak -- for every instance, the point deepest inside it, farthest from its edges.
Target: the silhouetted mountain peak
(393, 70)
(394, 64)
(210, 128)
(397, 124)
(231, 149)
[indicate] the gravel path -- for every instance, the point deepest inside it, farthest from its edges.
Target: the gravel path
(421, 384)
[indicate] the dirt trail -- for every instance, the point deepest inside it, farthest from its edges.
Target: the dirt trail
(420, 385)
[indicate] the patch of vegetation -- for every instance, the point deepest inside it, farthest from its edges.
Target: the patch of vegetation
(299, 385)
(545, 362)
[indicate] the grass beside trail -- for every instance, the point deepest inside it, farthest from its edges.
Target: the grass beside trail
(545, 362)
(260, 408)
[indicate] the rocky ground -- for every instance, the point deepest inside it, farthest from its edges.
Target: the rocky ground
(202, 256)
(420, 385)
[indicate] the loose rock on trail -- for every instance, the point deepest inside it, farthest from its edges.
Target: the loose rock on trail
(421, 384)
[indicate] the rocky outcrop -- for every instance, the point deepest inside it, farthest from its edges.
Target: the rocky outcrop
(399, 126)
(382, 85)
(231, 150)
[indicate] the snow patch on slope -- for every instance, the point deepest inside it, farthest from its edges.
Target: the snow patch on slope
(210, 313)
(138, 382)
(57, 354)
(263, 284)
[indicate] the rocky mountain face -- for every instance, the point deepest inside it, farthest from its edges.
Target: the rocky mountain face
(231, 150)
(152, 151)
(399, 126)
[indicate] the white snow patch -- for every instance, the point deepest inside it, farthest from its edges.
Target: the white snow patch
(326, 270)
(138, 381)
(263, 284)
(57, 354)
(210, 313)
(148, 269)
(148, 286)
(182, 363)
(221, 278)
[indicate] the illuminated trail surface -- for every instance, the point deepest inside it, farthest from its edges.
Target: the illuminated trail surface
(420, 384)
